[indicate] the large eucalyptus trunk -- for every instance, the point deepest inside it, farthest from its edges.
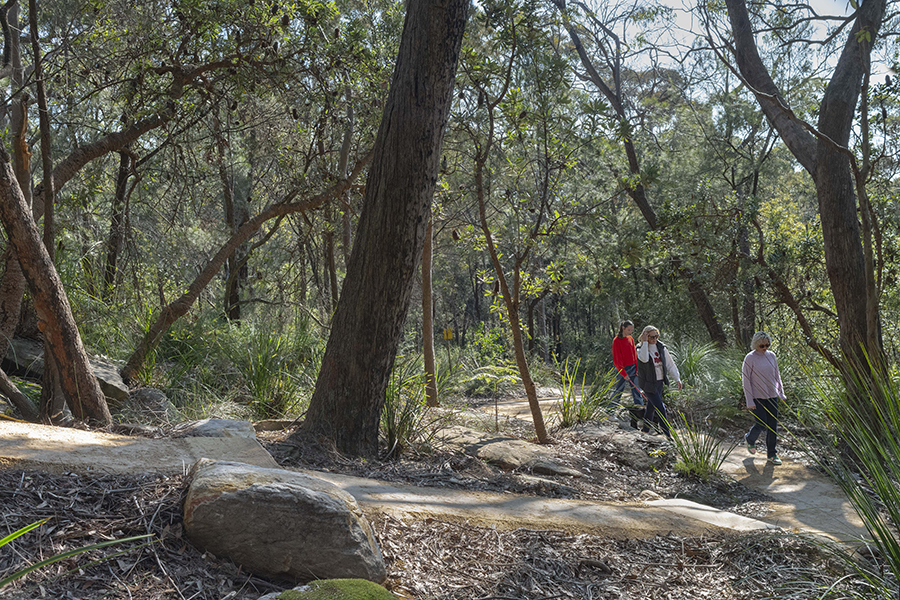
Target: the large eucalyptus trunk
(368, 322)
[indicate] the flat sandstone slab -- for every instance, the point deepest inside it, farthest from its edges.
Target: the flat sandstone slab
(620, 520)
(63, 449)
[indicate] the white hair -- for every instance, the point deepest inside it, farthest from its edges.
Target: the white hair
(758, 337)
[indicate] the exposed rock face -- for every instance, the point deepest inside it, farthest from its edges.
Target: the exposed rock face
(507, 453)
(280, 523)
(216, 428)
(148, 405)
(25, 357)
(619, 445)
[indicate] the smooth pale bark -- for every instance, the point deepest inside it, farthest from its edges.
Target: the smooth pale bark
(61, 337)
(823, 154)
(431, 393)
(368, 322)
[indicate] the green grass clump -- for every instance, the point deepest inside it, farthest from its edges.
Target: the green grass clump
(862, 454)
(700, 448)
(580, 402)
(403, 414)
(19, 574)
(211, 367)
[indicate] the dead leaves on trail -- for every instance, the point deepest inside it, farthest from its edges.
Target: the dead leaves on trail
(457, 561)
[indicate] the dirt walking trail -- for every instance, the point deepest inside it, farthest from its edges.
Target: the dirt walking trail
(804, 500)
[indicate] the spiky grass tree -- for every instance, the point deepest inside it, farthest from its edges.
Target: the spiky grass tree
(865, 462)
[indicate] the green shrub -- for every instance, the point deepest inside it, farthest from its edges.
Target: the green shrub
(694, 361)
(712, 380)
(700, 448)
(490, 381)
(581, 403)
(403, 414)
(488, 344)
(274, 367)
(862, 454)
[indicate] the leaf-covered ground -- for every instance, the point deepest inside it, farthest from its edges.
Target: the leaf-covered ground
(426, 559)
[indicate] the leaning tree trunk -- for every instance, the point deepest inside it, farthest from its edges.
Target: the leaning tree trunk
(171, 312)
(61, 337)
(368, 322)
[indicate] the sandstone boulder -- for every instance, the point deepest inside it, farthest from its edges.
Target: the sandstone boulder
(506, 453)
(25, 357)
(280, 523)
(216, 428)
(149, 406)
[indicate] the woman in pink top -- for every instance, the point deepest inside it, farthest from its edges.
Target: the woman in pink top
(763, 390)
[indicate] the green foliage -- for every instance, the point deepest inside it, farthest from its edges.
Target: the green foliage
(712, 379)
(867, 421)
(241, 370)
(700, 447)
(581, 403)
(555, 185)
(187, 344)
(268, 364)
(479, 370)
(62, 555)
(693, 360)
(490, 381)
(489, 344)
(403, 414)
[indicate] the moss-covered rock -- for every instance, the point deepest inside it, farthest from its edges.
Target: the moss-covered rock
(338, 589)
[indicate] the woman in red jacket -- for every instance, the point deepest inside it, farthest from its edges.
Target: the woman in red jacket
(625, 360)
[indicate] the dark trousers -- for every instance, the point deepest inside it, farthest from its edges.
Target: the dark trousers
(766, 415)
(622, 384)
(656, 409)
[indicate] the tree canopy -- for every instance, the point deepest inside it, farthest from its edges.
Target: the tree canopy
(206, 166)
